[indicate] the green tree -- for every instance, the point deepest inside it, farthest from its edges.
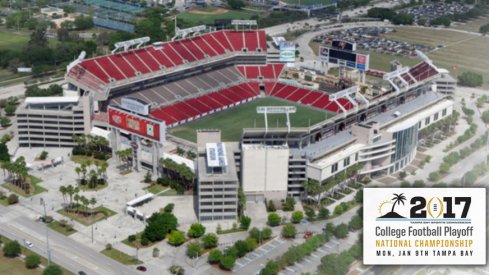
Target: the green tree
(274, 219)
(10, 109)
(159, 225)
(176, 238)
(310, 213)
(266, 233)
(32, 261)
(271, 268)
(196, 230)
(251, 244)
(52, 269)
(485, 116)
(194, 249)
(236, 4)
(210, 240)
(83, 22)
(4, 121)
(241, 247)
(484, 29)
(323, 213)
(11, 249)
(214, 256)
(4, 154)
(227, 262)
(355, 223)
(297, 216)
(470, 79)
(244, 222)
(359, 196)
(289, 231)
(341, 231)
(271, 206)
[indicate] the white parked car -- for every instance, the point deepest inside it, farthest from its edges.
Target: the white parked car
(28, 244)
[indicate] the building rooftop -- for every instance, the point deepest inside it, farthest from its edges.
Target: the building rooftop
(420, 102)
(229, 171)
(320, 148)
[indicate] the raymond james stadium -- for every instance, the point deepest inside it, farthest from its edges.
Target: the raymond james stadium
(227, 96)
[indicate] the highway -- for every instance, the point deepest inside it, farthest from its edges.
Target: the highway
(65, 252)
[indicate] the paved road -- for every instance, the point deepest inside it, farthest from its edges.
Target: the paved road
(64, 251)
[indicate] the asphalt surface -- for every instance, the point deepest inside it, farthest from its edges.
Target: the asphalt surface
(66, 252)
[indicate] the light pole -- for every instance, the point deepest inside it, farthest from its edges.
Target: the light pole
(47, 231)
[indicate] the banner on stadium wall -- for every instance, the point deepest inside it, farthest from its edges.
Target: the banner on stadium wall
(424, 226)
(136, 124)
(287, 52)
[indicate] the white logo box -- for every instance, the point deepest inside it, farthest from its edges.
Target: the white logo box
(424, 226)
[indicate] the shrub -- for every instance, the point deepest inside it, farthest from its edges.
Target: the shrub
(11, 249)
(44, 155)
(418, 184)
(289, 204)
(214, 256)
(194, 249)
(52, 269)
(297, 216)
(169, 208)
(196, 230)
(108, 246)
(274, 219)
(244, 222)
(227, 262)
(310, 213)
(32, 261)
(266, 233)
(289, 231)
(147, 177)
(251, 244)
(323, 213)
(163, 181)
(210, 240)
(241, 247)
(144, 241)
(176, 270)
(341, 231)
(470, 79)
(176, 238)
(434, 176)
(359, 196)
(355, 223)
(131, 238)
(12, 199)
(99, 155)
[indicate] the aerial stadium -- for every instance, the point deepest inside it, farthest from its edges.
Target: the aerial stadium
(220, 93)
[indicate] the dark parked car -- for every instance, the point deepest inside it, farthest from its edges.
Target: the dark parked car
(141, 268)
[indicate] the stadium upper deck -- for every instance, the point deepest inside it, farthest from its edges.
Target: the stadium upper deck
(100, 74)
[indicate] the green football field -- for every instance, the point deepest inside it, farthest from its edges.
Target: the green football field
(232, 121)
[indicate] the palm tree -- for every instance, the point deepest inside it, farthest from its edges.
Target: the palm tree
(93, 201)
(63, 191)
(312, 187)
(398, 199)
(77, 198)
(78, 172)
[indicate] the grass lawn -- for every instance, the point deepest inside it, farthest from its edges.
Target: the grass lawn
(171, 192)
(4, 201)
(472, 25)
(34, 190)
(467, 51)
(56, 226)
(84, 159)
(137, 242)
(120, 256)
(202, 19)
(102, 213)
(12, 41)
(16, 266)
(155, 188)
(232, 121)
(98, 187)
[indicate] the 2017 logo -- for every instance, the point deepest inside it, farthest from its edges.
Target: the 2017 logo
(422, 208)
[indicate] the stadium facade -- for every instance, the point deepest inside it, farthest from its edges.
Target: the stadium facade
(140, 93)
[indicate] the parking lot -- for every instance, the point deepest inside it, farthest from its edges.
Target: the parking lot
(260, 252)
(431, 11)
(373, 39)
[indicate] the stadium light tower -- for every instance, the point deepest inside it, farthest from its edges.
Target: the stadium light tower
(265, 110)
